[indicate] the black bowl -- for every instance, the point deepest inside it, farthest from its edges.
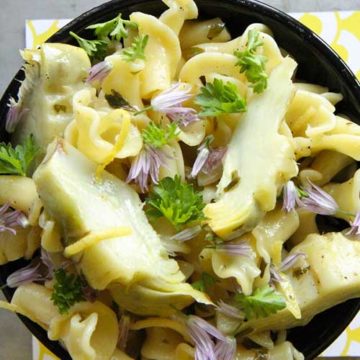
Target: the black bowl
(317, 64)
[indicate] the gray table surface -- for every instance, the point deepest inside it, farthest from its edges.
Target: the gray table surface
(15, 340)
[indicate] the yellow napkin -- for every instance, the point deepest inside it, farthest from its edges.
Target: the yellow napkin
(339, 29)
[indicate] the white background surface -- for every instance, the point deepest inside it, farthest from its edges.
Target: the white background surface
(15, 340)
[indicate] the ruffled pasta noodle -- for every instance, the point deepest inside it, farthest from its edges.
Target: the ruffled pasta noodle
(217, 226)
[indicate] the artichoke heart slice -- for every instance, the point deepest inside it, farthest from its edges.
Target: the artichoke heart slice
(81, 205)
(259, 159)
(329, 277)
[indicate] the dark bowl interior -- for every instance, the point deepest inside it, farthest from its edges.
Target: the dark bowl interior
(317, 64)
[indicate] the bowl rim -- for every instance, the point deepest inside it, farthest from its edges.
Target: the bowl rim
(104, 10)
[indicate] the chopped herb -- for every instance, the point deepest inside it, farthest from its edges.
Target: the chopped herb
(115, 29)
(215, 30)
(262, 303)
(252, 64)
(17, 161)
(136, 50)
(115, 100)
(96, 49)
(157, 136)
(68, 290)
(220, 98)
(178, 202)
(205, 282)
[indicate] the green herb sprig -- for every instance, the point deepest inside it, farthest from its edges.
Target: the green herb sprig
(177, 201)
(252, 64)
(157, 136)
(220, 98)
(136, 50)
(263, 302)
(68, 290)
(18, 160)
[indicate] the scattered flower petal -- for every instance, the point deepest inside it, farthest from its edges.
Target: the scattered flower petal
(291, 260)
(124, 327)
(200, 161)
(14, 115)
(99, 71)
(290, 195)
(214, 160)
(187, 234)
(275, 275)
(11, 218)
(169, 102)
(25, 275)
(240, 249)
(210, 343)
(230, 311)
(146, 164)
(355, 226)
(318, 201)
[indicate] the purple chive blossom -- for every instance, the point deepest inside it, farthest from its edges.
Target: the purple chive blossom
(318, 201)
(169, 102)
(200, 161)
(290, 195)
(146, 164)
(210, 343)
(291, 260)
(240, 249)
(355, 226)
(25, 275)
(124, 327)
(99, 72)
(14, 115)
(187, 234)
(11, 218)
(274, 275)
(214, 160)
(229, 310)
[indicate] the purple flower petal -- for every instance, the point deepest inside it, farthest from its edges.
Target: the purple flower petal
(99, 71)
(14, 115)
(318, 201)
(226, 350)
(230, 311)
(240, 249)
(200, 161)
(210, 343)
(25, 275)
(214, 160)
(187, 234)
(146, 165)
(290, 195)
(291, 260)
(124, 327)
(169, 102)
(274, 275)
(171, 98)
(355, 226)
(9, 219)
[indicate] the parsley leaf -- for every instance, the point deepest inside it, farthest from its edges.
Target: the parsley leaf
(17, 161)
(96, 49)
(115, 29)
(157, 136)
(136, 50)
(220, 98)
(205, 282)
(68, 290)
(178, 202)
(252, 64)
(262, 303)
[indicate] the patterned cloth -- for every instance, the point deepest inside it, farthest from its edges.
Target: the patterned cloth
(339, 29)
